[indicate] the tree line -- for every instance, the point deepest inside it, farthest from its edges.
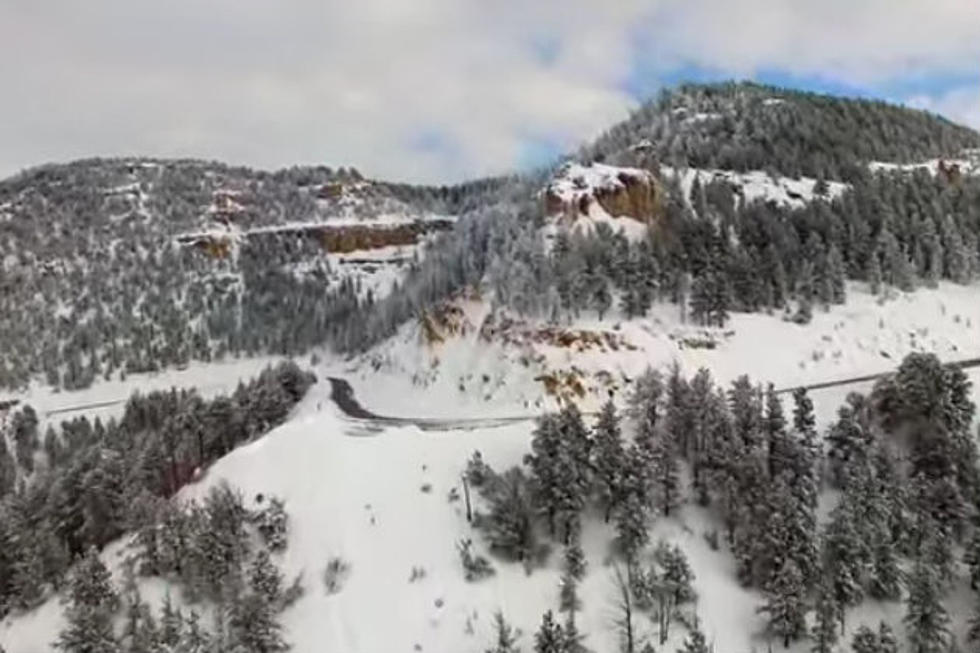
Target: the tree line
(903, 461)
(91, 481)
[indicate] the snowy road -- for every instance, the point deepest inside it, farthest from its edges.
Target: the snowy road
(342, 394)
(962, 365)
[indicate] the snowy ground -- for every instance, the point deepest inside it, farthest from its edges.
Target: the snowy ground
(756, 185)
(107, 398)
(468, 376)
(362, 498)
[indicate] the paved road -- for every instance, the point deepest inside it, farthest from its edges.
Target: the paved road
(342, 394)
(963, 365)
(75, 409)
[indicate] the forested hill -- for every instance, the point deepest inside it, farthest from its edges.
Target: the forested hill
(110, 266)
(135, 264)
(747, 126)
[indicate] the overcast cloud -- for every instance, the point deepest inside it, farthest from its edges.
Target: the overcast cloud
(429, 90)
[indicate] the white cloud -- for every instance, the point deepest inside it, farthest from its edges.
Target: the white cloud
(355, 83)
(959, 104)
(854, 41)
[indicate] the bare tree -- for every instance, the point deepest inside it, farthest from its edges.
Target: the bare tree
(624, 608)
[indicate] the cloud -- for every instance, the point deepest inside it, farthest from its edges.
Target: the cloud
(960, 104)
(419, 90)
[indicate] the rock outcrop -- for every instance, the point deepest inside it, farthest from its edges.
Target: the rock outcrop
(619, 192)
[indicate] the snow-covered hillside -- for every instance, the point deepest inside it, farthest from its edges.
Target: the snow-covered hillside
(382, 503)
(967, 164)
(387, 499)
(390, 505)
(757, 185)
(492, 364)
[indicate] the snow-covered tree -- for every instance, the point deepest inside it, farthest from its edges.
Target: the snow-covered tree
(608, 462)
(786, 604)
(926, 619)
(826, 617)
(695, 641)
(550, 637)
(92, 603)
(273, 524)
(506, 636)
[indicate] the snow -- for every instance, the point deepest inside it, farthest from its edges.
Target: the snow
(702, 116)
(576, 184)
(757, 185)
(969, 165)
(355, 490)
(468, 375)
(575, 179)
(360, 498)
(380, 221)
(106, 399)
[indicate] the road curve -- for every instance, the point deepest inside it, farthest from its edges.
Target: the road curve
(342, 394)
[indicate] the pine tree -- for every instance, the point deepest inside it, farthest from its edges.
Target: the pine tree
(804, 420)
(845, 555)
(865, 640)
(775, 428)
(568, 594)
(973, 631)
(546, 448)
(506, 637)
(786, 603)
(509, 526)
(849, 442)
(926, 619)
(273, 524)
(885, 583)
(171, 623)
(837, 275)
(666, 475)
(140, 633)
(27, 573)
(631, 528)
(873, 274)
(676, 572)
(560, 462)
(971, 556)
(645, 399)
(574, 559)
(265, 579)
(572, 637)
(601, 297)
(695, 641)
(550, 637)
(194, 638)
(92, 604)
(889, 644)
(609, 458)
(710, 299)
(826, 616)
(252, 623)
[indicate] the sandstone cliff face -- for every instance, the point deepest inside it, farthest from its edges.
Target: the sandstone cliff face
(619, 192)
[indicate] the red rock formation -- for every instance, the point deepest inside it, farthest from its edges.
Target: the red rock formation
(621, 192)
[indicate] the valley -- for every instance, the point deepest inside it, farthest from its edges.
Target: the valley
(707, 383)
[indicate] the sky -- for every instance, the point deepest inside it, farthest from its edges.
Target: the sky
(435, 91)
